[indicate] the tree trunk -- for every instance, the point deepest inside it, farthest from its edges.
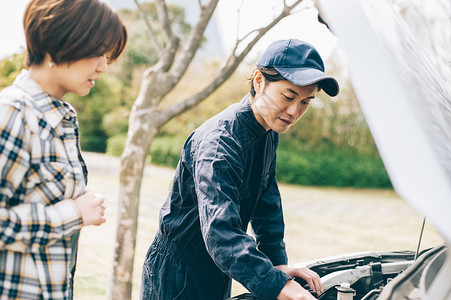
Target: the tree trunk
(133, 161)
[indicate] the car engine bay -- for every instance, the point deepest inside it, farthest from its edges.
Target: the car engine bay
(365, 276)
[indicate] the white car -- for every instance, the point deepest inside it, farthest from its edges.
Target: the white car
(408, 109)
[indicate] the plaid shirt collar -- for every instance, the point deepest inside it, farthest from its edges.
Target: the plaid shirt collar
(54, 110)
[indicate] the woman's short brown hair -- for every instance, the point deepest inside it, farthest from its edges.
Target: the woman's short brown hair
(70, 30)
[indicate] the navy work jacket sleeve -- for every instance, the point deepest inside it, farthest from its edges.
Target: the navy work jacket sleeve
(218, 173)
(267, 223)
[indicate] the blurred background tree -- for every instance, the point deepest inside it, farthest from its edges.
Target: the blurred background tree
(332, 137)
(330, 126)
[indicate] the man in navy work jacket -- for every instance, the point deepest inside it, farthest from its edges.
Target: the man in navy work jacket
(225, 180)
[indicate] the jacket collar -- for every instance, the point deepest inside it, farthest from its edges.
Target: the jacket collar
(249, 117)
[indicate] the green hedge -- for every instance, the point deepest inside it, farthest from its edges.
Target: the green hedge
(164, 151)
(116, 144)
(94, 141)
(333, 169)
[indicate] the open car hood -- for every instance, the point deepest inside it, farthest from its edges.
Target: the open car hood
(407, 106)
(406, 103)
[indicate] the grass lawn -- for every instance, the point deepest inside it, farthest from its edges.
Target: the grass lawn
(319, 222)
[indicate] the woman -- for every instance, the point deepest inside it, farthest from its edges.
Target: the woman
(43, 201)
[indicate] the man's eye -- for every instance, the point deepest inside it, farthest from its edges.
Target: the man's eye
(305, 102)
(288, 98)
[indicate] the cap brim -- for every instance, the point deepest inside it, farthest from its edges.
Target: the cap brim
(308, 76)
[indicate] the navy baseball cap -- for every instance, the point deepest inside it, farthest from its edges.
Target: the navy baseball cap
(300, 63)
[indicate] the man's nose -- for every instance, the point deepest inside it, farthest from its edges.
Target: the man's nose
(293, 109)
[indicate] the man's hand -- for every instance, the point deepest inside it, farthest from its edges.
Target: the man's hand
(311, 277)
(294, 291)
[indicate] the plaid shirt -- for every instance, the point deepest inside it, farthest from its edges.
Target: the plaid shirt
(41, 172)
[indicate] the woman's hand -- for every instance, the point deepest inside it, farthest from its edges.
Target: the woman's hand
(92, 208)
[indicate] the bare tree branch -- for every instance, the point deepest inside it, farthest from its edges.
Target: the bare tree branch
(164, 19)
(232, 63)
(238, 21)
(153, 37)
(194, 40)
(286, 11)
(166, 81)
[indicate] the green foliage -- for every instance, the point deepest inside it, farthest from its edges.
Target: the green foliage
(116, 145)
(91, 109)
(115, 122)
(10, 67)
(166, 150)
(334, 169)
(94, 141)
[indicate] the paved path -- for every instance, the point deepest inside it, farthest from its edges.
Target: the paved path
(101, 164)
(104, 178)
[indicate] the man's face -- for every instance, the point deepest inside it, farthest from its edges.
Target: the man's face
(279, 105)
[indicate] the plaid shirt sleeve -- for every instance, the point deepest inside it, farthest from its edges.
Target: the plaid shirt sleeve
(26, 226)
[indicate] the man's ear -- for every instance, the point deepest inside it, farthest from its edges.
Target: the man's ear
(259, 81)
